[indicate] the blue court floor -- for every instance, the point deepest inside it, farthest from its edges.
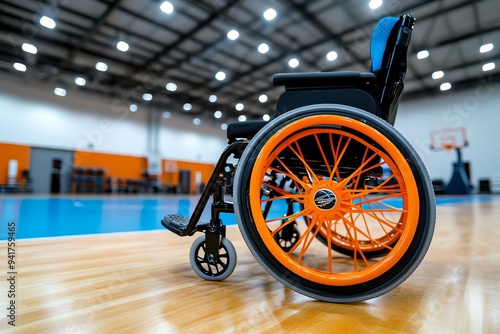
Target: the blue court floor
(38, 217)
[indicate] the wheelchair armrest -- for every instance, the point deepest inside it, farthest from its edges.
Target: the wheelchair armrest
(324, 79)
(246, 129)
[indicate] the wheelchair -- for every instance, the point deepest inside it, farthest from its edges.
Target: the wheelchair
(330, 199)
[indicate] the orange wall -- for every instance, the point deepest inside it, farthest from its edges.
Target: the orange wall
(8, 152)
(172, 177)
(120, 166)
(114, 165)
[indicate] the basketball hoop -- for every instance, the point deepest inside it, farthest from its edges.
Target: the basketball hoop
(449, 138)
(448, 147)
(446, 140)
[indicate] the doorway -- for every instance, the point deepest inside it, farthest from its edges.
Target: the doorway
(51, 170)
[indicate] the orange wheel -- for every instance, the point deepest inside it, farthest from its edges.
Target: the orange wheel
(334, 155)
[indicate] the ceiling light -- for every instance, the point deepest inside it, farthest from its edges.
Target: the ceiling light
(293, 63)
(47, 22)
(171, 86)
(233, 34)
(423, 54)
(263, 98)
(445, 86)
(20, 67)
(437, 75)
(187, 106)
(239, 106)
(269, 14)
(30, 48)
(223, 126)
(218, 114)
(167, 7)
(196, 121)
(242, 118)
(331, 56)
(488, 67)
(220, 75)
(100, 66)
(133, 107)
(60, 91)
(166, 114)
(374, 4)
(147, 97)
(486, 48)
(122, 46)
(212, 98)
(263, 48)
(266, 117)
(80, 81)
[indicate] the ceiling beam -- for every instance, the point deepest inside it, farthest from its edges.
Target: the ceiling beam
(187, 35)
(95, 28)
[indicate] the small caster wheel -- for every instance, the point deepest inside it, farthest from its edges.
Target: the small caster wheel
(287, 237)
(209, 269)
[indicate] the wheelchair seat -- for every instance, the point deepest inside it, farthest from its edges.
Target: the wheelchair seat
(376, 91)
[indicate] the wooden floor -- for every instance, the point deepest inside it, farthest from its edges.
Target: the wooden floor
(143, 283)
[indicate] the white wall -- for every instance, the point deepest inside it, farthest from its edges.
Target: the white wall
(477, 109)
(34, 115)
(181, 140)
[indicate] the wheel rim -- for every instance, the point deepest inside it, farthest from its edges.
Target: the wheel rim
(334, 199)
(210, 268)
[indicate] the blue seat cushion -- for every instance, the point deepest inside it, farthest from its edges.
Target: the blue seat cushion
(379, 41)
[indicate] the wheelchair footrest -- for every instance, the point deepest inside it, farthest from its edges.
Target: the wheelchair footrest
(177, 224)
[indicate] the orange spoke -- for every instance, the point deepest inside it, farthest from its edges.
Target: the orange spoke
(378, 201)
(357, 179)
(359, 170)
(383, 227)
(296, 197)
(348, 223)
(355, 243)
(288, 219)
(341, 155)
(334, 152)
(327, 164)
(365, 222)
(363, 194)
(310, 226)
(387, 222)
(290, 175)
(361, 210)
(309, 170)
(383, 187)
(307, 242)
(329, 246)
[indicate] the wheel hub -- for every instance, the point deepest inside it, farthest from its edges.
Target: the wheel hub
(325, 199)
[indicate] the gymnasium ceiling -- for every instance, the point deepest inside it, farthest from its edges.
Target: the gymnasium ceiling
(190, 45)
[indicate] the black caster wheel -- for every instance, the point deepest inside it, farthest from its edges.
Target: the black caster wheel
(287, 237)
(210, 269)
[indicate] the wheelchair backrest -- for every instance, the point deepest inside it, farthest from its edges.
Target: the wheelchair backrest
(388, 48)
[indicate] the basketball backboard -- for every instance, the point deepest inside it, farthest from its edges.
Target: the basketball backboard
(448, 138)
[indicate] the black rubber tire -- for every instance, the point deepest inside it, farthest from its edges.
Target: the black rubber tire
(375, 287)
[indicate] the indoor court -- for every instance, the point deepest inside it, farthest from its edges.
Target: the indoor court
(232, 166)
(129, 275)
